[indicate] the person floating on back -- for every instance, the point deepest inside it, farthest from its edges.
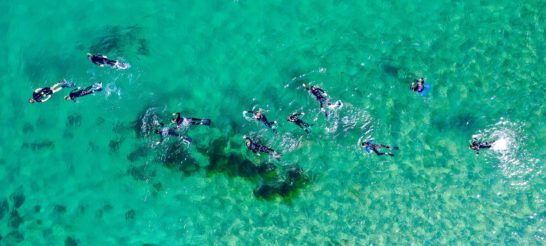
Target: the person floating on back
(78, 92)
(258, 148)
(418, 85)
(477, 145)
(43, 94)
(261, 117)
(321, 96)
(101, 61)
(294, 118)
(369, 146)
(182, 121)
(165, 132)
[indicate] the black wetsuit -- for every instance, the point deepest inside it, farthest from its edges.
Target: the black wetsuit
(479, 145)
(254, 147)
(318, 93)
(192, 121)
(102, 60)
(375, 148)
(167, 131)
(264, 120)
(294, 118)
(80, 93)
(418, 85)
(42, 94)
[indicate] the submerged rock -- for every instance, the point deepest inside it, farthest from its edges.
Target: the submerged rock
(140, 173)
(115, 144)
(59, 209)
(39, 145)
(17, 198)
(178, 158)
(138, 153)
(70, 241)
(129, 215)
(4, 208)
(294, 180)
(74, 120)
(15, 220)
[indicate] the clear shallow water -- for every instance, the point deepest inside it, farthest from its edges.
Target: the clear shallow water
(86, 175)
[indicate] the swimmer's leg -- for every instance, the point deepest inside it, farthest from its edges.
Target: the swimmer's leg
(186, 139)
(377, 152)
(66, 84)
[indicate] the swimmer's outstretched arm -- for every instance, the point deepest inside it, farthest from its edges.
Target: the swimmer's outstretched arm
(47, 98)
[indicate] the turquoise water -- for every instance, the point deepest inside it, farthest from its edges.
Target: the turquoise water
(86, 173)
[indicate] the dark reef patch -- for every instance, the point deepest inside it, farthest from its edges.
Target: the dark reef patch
(70, 241)
(61, 209)
(140, 173)
(74, 120)
(28, 128)
(15, 220)
(4, 208)
(130, 215)
(176, 157)
(138, 153)
(39, 145)
(294, 180)
(115, 144)
(17, 198)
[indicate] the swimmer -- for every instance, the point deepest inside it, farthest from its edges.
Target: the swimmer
(257, 148)
(418, 85)
(476, 145)
(294, 118)
(101, 60)
(370, 146)
(43, 94)
(78, 92)
(165, 132)
(182, 121)
(321, 96)
(261, 117)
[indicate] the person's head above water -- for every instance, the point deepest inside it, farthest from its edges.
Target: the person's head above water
(247, 140)
(31, 100)
(257, 114)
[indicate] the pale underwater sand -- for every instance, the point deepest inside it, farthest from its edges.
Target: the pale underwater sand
(79, 173)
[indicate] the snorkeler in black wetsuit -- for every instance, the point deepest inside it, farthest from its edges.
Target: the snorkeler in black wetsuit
(257, 148)
(418, 85)
(476, 145)
(370, 146)
(165, 132)
(182, 121)
(43, 94)
(101, 60)
(321, 96)
(78, 92)
(261, 117)
(294, 118)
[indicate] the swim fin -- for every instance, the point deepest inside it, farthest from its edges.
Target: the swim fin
(205, 122)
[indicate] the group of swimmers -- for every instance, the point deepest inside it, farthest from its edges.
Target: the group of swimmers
(41, 95)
